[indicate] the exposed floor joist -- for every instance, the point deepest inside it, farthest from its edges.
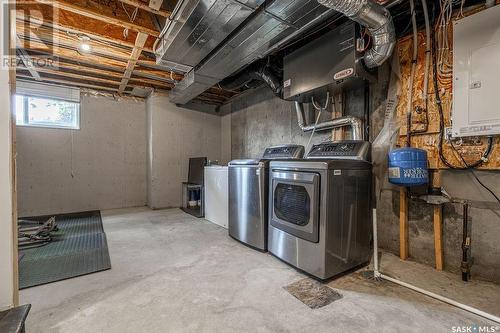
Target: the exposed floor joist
(48, 36)
(155, 4)
(28, 62)
(121, 56)
(136, 52)
(103, 33)
(69, 82)
(143, 6)
(105, 14)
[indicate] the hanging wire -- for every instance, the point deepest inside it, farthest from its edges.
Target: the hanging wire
(327, 102)
(320, 109)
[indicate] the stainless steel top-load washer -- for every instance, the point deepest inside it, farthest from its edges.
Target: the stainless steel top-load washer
(248, 195)
(319, 216)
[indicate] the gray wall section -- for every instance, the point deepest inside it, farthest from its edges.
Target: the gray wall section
(258, 119)
(484, 218)
(100, 166)
(174, 135)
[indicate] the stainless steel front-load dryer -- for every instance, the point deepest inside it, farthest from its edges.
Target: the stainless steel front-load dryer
(319, 216)
(248, 195)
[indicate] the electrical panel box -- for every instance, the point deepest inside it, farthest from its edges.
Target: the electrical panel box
(327, 63)
(476, 74)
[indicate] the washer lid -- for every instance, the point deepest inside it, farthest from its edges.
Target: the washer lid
(341, 150)
(245, 162)
(289, 151)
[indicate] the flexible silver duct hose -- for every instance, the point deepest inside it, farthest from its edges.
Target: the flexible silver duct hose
(356, 124)
(377, 19)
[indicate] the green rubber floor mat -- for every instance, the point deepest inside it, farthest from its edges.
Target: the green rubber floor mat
(79, 247)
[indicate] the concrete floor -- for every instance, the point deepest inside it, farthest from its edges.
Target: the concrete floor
(174, 273)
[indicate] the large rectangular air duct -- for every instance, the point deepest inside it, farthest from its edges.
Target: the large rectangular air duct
(269, 26)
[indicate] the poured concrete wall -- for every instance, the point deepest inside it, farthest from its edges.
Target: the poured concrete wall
(100, 166)
(174, 135)
(484, 219)
(258, 119)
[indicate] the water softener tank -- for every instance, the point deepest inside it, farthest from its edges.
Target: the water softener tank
(408, 167)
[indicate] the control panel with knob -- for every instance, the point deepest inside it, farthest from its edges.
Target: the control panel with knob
(358, 150)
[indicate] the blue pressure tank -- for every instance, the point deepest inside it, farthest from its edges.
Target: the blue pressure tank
(408, 167)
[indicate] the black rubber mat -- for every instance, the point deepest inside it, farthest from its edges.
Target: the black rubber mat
(79, 247)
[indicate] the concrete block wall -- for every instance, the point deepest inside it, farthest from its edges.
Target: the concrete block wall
(174, 135)
(258, 119)
(100, 166)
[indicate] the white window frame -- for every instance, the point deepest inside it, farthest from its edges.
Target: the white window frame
(27, 123)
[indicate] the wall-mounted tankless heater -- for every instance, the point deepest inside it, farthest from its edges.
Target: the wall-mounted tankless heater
(476, 71)
(325, 64)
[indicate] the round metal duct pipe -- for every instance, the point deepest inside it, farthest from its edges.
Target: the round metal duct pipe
(376, 19)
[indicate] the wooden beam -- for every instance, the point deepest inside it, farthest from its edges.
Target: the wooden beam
(42, 17)
(143, 6)
(438, 224)
(73, 70)
(136, 52)
(58, 38)
(83, 65)
(155, 4)
(65, 65)
(70, 54)
(159, 73)
(78, 76)
(28, 63)
(102, 13)
(403, 224)
(69, 82)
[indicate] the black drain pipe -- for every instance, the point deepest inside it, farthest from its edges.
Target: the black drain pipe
(466, 259)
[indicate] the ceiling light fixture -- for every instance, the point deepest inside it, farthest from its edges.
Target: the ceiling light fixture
(84, 46)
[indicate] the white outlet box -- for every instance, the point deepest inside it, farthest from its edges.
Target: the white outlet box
(476, 74)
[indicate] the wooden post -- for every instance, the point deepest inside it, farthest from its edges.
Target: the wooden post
(403, 224)
(438, 225)
(438, 236)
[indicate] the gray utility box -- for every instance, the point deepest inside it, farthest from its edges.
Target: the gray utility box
(476, 72)
(325, 64)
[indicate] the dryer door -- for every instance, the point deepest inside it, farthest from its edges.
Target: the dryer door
(295, 203)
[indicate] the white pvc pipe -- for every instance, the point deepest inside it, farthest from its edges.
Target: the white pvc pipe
(442, 299)
(375, 242)
(377, 274)
(427, 52)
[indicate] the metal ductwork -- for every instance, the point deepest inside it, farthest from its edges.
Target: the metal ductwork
(266, 29)
(377, 19)
(217, 38)
(354, 123)
(261, 71)
(198, 26)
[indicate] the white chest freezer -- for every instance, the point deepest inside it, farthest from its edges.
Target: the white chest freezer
(216, 195)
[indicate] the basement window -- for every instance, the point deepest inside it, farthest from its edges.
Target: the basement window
(46, 112)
